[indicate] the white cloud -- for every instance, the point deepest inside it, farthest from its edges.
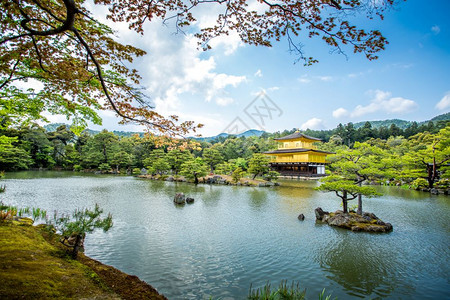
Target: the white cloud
(224, 101)
(274, 88)
(174, 68)
(314, 123)
(381, 102)
(444, 103)
(436, 29)
(304, 79)
(325, 78)
(340, 113)
(258, 73)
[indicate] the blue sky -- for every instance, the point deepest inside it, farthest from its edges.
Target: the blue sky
(221, 88)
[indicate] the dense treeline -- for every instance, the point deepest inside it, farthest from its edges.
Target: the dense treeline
(33, 147)
(348, 134)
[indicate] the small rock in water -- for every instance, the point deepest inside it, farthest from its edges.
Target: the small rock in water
(301, 217)
(189, 200)
(179, 198)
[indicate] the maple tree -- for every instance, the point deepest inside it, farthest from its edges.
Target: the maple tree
(83, 68)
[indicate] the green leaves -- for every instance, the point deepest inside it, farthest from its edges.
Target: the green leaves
(83, 221)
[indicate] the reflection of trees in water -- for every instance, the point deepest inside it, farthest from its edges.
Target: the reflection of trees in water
(211, 195)
(258, 197)
(355, 262)
(296, 199)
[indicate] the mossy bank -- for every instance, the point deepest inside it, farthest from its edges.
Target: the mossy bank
(33, 265)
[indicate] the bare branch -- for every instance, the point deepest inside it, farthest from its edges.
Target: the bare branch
(38, 54)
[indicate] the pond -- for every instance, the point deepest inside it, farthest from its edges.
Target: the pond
(232, 237)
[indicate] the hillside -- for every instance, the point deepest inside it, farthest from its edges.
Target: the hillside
(403, 124)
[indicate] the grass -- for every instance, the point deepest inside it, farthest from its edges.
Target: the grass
(33, 268)
(33, 265)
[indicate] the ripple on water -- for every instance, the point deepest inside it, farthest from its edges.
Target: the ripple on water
(232, 237)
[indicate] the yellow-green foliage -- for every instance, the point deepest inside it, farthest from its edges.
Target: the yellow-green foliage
(32, 268)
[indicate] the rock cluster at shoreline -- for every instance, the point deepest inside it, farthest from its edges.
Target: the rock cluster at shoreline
(366, 222)
(214, 179)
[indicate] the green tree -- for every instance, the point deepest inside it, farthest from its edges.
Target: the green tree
(75, 227)
(194, 169)
(360, 164)
(427, 154)
(237, 174)
(176, 157)
(99, 149)
(153, 156)
(40, 148)
(271, 175)
(345, 189)
(12, 157)
(159, 166)
(212, 157)
(122, 159)
(258, 165)
(225, 168)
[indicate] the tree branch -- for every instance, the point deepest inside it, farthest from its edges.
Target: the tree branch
(71, 11)
(38, 54)
(10, 75)
(105, 88)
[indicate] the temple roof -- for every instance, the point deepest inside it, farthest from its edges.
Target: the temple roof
(295, 150)
(297, 135)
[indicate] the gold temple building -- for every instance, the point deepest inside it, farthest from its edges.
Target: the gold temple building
(297, 156)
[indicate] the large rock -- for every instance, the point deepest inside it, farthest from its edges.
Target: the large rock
(179, 198)
(367, 222)
(320, 213)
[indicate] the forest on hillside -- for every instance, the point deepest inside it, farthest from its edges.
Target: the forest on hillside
(32, 147)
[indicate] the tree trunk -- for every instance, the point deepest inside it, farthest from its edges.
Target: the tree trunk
(76, 246)
(254, 176)
(430, 176)
(359, 211)
(195, 179)
(344, 202)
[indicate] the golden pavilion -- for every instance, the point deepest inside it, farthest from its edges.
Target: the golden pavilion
(298, 156)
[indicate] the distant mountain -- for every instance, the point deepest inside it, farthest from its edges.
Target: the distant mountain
(403, 124)
(443, 117)
(248, 133)
(53, 126)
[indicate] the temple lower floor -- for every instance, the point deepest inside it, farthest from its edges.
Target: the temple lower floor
(299, 169)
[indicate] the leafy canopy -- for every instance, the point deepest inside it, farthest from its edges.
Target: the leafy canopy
(81, 67)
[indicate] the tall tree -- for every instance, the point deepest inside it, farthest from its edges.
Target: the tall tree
(258, 165)
(80, 64)
(428, 153)
(194, 169)
(212, 157)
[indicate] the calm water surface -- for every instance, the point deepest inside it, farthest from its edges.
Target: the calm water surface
(232, 237)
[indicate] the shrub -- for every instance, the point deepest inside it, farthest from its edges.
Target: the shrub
(104, 167)
(443, 184)
(77, 168)
(419, 183)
